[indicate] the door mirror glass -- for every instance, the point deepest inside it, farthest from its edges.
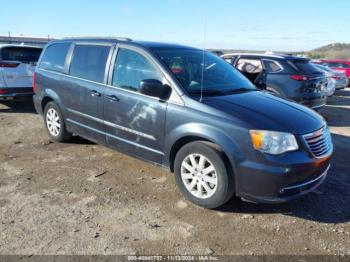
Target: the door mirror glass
(154, 88)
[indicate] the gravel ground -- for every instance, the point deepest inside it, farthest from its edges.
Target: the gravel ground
(82, 198)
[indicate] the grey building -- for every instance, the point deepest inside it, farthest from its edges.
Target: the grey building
(27, 40)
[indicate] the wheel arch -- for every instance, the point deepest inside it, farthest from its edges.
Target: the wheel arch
(45, 101)
(50, 96)
(276, 90)
(204, 133)
(179, 144)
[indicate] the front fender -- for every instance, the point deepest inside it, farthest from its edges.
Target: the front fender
(206, 132)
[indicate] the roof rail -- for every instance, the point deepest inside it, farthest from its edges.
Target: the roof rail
(123, 38)
(100, 37)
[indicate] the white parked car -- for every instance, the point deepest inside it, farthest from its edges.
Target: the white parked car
(330, 87)
(17, 64)
(339, 78)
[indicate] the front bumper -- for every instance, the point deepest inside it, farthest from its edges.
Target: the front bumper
(269, 184)
(306, 186)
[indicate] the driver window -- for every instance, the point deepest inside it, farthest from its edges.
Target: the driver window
(131, 68)
(250, 66)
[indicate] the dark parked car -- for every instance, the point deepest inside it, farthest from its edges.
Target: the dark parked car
(287, 76)
(187, 110)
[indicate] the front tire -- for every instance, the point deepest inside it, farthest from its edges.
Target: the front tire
(54, 123)
(202, 175)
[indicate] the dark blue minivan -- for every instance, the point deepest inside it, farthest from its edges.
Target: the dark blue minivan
(187, 110)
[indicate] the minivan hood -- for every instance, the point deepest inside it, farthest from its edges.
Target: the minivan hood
(264, 111)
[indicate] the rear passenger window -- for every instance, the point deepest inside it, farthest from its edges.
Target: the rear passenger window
(131, 68)
(89, 62)
(272, 67)
(54, 57)
(306, 67)
(332, 64)
(251, 66)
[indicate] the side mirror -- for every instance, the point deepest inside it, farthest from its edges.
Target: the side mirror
(154, 88)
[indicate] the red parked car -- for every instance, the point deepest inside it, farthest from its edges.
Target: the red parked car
(338, 65)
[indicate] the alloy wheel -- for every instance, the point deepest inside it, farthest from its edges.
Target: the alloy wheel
(53, 122)
(199, 176)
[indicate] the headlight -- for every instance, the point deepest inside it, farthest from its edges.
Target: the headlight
(272, 142)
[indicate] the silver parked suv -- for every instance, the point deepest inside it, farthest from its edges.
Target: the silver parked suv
(17, 65)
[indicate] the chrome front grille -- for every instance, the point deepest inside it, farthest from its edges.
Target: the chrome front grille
(320, 142)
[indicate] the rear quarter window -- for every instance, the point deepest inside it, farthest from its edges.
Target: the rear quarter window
(305, 67)
(20, 54)
(54, 57)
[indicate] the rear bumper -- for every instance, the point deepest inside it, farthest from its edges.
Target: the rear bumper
(313, 101)
(340, 87)
(341, 84)
(18, 92)
(37, 104)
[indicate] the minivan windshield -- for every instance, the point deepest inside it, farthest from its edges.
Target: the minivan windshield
(203, 72)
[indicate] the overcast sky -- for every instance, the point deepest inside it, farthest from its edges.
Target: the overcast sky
(285, 25)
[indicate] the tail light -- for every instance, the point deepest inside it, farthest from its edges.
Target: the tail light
(34, 83)
(8, 64)
(299, 77)
(3, 91)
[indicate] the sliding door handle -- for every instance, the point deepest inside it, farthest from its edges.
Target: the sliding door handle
(113, 98)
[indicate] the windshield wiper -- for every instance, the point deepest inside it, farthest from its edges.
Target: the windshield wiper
(239, 90)
(209, 92)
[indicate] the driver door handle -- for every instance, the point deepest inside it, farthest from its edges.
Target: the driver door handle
(95, 93)
(113, 98)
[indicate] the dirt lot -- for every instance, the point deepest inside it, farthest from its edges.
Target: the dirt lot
(53, 201)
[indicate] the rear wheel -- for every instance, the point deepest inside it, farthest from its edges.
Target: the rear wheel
(202, 176)
(54, 123)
